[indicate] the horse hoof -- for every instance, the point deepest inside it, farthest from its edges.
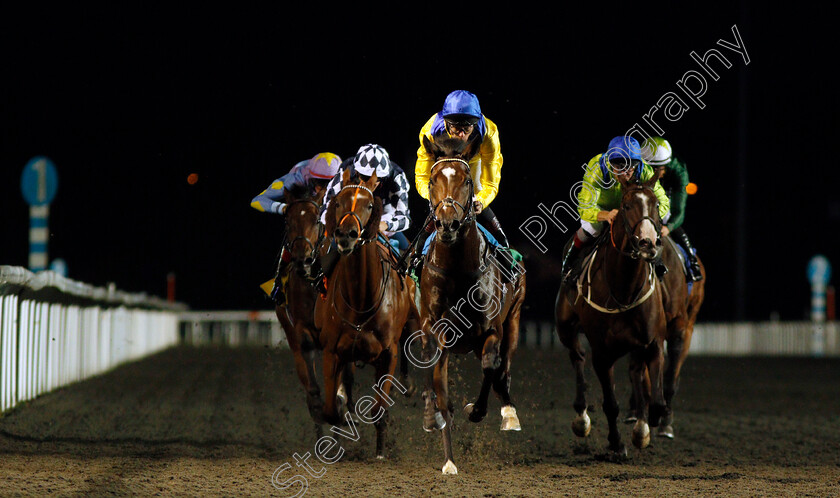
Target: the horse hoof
(472, 414)
(510, 421)
(641, 434)
(411, 389)
(438, 422)
(618, 455)
(665, 431)
(630, 419)
(380, 457)
(581, 425)
(450, 469)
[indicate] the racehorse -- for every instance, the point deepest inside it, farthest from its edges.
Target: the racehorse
(681, 308)
(304, 234)
(367, 305)
(617, 303)
(464, 303)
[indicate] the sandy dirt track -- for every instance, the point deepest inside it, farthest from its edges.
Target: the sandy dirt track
(216, 421)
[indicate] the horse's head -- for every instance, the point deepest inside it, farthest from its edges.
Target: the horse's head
(303, 230)
(354, 214)
(451, 190)
(638, 219)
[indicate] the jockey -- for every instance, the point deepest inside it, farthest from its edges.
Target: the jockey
(315, 173)
(461, 118)
(600, 196)
(391, 187)
(673, 176)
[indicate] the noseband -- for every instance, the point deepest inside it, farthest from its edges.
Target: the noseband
(313, 248)
(630, 232)
(352, 212)
(468, 213)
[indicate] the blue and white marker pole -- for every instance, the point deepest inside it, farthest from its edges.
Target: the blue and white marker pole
(39, 183)
(819, 273)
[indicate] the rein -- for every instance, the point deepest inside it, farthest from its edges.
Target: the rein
(359, 240)
(386, 268)
(313, 248)
(621, 307)
(468, 214)
(629, 234)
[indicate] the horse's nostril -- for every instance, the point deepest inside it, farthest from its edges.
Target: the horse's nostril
(438, 224)
(308, 261)
(455, 225)
(353, 234)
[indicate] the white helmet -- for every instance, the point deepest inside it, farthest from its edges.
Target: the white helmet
(656, 151)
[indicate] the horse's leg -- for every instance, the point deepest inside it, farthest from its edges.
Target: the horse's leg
(655, 359)
(490, 362)
(501, 381)
(441, 383)
(432, 418)
(571, 339)
(603, 362)
(345, 389)
(386, 364)
(332, 378)
(678, 343)
(411, 326)
(640, 398)
(302, 351)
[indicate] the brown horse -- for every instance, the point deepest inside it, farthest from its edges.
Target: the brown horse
(681, 308)
(304, 234)
(465, 304)
(368, 303)
(617, 304)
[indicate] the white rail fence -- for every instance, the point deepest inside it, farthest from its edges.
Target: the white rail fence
(55, 331)
(728, 339)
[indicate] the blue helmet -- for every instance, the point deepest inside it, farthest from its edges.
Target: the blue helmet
(626, 149)
(460, 106)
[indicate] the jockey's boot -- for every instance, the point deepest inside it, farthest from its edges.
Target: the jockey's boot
(571, 264)
(415, 263)
(495, 228)
(693, 264)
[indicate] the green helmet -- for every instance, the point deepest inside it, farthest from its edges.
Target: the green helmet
(656, 151)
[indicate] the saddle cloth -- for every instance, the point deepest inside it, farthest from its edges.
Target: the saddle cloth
(515, 256)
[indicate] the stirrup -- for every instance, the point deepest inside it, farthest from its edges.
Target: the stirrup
(660, 269)
(415, 268)
(694, 273)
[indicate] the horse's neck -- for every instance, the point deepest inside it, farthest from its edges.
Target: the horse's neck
(362, 275)
(464, 254)
(626, 275)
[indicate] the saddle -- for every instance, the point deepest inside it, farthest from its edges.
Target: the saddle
(508, 258)
(388, 251)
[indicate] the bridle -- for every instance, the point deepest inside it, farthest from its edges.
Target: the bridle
(630, 232)
(468, 212)
(359, 240)
(311, 254)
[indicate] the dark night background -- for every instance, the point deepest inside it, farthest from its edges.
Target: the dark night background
(128, 102)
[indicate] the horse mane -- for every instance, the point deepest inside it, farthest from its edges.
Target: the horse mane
(297, 192)
(444, 146)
